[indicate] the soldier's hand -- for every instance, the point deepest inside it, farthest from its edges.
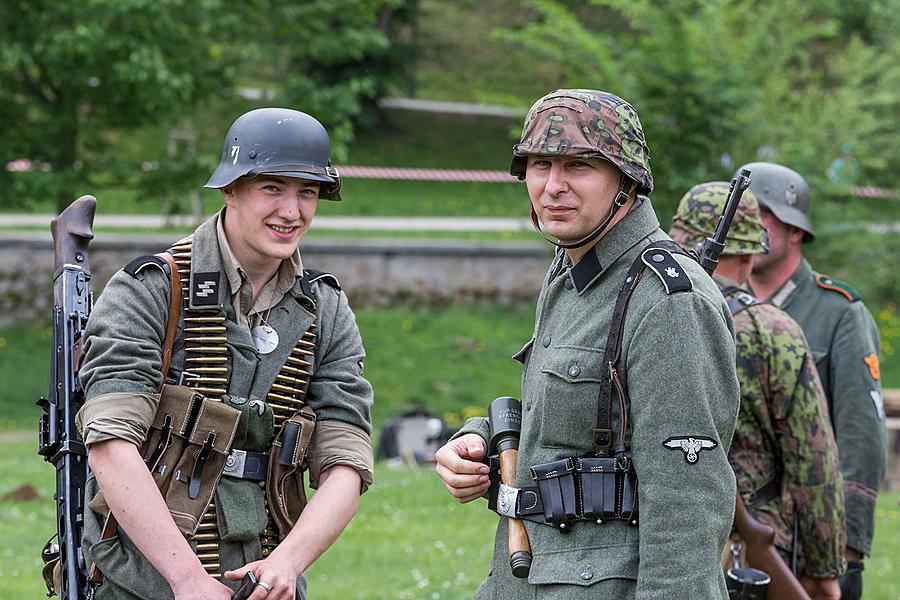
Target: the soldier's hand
(821, 589)
(460, 468)
(276, 579)
(201, 588)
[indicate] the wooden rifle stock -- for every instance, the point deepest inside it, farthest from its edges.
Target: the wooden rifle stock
(759, 542)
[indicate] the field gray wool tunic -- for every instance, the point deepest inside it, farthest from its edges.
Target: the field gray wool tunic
(121, 376)
(679, 353)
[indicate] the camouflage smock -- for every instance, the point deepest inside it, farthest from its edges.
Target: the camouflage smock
(679, 354)
(783, 441)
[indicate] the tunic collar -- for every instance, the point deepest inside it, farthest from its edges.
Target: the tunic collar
(639, 223)
(726, 282)
(786, 292)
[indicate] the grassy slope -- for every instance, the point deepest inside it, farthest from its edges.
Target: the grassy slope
(409, 540)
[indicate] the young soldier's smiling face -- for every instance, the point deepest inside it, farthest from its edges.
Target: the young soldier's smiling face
(571, 196)
(267, 216)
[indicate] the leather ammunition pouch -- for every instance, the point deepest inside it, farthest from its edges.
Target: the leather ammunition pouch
(592, 489)
(285, 493)
(186, 450)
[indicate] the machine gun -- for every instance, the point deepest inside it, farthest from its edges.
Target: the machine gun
(709, 251)
(59, 442)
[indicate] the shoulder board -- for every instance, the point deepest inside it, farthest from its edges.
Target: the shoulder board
(669, 271)
(737, 300)
(313, 276)
(138, 264)
(827, 283)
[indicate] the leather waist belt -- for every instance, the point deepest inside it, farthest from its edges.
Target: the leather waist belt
(568, 491)
(245, 464)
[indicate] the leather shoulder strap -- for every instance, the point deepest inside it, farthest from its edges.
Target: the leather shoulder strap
(615, 376)
(174, 311)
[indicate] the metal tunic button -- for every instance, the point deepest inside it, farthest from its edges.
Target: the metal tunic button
(569, 285)
(658, 258)
(587, 574)
(574, 371)
(546, 341)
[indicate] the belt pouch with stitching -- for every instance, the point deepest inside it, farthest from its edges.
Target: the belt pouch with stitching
(556, 482)
(285, 493)
(186, 450)
(628, 508)
(598, 487)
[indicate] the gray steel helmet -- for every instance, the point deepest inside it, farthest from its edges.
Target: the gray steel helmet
(277, 141)
(784, 192)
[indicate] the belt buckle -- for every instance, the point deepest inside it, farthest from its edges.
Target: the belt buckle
(234, 464)
(507, 498)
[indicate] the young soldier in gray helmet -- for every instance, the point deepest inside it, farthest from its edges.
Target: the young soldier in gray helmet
(631, 369)
(845, 344)
(783, 453)
(216, 375)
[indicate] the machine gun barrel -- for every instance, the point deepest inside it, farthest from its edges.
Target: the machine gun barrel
(708, 254)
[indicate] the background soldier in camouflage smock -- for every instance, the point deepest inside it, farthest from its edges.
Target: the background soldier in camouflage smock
(783, 453)
(580, 150)
(845, 344)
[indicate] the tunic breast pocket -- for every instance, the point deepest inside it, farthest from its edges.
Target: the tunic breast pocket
(568, 394)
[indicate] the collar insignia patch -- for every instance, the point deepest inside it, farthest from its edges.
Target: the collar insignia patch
(205, 289)
(690, 445)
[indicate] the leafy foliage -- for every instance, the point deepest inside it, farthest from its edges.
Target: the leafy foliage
(77, 76)
(72, 71)
(718, 83)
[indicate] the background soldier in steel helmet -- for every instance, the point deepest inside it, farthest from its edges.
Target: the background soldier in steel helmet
(585, 163)
(783, 453)
(845, 344)
(288, 334)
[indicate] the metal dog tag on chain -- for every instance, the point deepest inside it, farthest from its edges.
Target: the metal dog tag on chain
(264, 338)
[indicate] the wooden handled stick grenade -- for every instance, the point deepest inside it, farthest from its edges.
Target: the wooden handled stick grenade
(506, 423)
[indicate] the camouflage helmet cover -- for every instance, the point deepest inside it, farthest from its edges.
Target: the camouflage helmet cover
(281, 142)
(698, 214)
(586, 124)
(784, 192)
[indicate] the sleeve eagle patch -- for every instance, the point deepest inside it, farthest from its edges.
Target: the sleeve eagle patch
(690, 445)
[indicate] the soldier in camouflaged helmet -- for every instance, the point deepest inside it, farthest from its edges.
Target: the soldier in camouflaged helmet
(783, 453)
(586, 167)
(586, 124)
(845, 343)
(699, 212)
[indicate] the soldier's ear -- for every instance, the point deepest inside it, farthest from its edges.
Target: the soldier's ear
(228, 193)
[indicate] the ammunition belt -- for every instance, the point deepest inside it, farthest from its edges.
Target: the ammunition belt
(286, 397)
(205, 370)
(570, 490)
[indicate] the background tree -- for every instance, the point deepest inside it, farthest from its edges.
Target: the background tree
(72, 74)
(335, 58)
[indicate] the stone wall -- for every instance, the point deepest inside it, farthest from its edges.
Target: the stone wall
(372, 271)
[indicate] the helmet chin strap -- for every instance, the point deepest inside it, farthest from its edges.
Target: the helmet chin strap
(620, 200)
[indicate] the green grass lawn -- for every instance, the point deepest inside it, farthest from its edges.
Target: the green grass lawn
(410, 540)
